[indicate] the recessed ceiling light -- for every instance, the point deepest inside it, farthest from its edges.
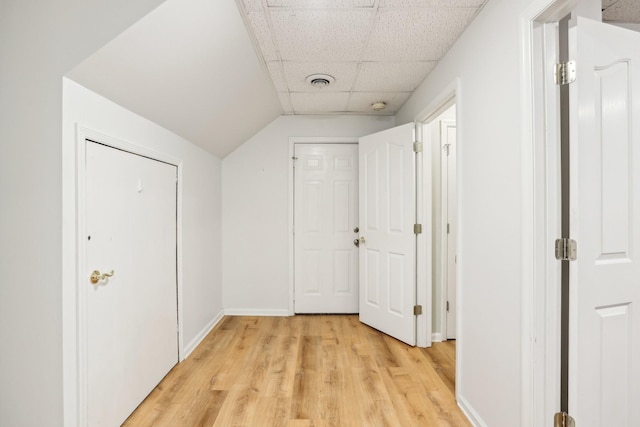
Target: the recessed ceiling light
(378, 106)
(320, 80)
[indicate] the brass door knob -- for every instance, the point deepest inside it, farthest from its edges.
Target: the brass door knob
(96, 276)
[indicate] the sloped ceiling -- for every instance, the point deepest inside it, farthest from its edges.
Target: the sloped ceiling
(217, 71)
(189, 66)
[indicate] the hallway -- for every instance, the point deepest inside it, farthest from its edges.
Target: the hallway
(324, 370)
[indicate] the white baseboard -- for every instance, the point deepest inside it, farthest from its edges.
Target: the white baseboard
(437, 337)
(470, 413)
(203, 333)
(255, 312)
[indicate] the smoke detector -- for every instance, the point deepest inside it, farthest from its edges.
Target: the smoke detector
(378, 106)
(320, 80)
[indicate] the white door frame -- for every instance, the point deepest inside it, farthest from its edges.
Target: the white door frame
(74, 293)
(424, 215)
(316, 140)
(541, 309)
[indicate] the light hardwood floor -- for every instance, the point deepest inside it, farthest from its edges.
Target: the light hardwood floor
(311, 371)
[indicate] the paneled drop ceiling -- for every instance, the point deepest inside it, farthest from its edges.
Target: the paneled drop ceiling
(626, 11)
(376, 50)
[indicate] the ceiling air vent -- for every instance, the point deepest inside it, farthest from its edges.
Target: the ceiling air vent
(320, 80)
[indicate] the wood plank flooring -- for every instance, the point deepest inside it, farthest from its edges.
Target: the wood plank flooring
(305, 371)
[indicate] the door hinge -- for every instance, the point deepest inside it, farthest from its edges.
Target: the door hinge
(565, 73)
(566, 249)
(417, 147)
(447, 228)
(562, 419)
(417, 228)
(417, 310)
(447, 305)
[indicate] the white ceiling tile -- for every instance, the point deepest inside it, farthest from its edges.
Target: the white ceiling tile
(305, 102)
(285, 101)
(415, 34)
(431, 3)
(261, 30)
(607, 3)
(252, 5)
(623, 11)
(320, 35)
(275, 70)
(315, 4)
(392, 76)
(295, 74)
(360, 102)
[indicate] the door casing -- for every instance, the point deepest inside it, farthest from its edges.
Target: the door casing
(291, 207)
(78, 341)
(450, 95)
(325, 302)
(541, 275)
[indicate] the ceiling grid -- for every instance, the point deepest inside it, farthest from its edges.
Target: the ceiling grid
(376, 50)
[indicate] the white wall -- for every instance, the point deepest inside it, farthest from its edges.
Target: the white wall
(39, 42)
(629, 26)
(255, 200)
(486, 58)
(201, 211)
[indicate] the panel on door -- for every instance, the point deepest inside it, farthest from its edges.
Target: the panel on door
(325, 217)
(131, 316)
(388, 244)
(604, 346)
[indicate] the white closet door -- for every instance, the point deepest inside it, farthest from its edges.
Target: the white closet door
(132, 339)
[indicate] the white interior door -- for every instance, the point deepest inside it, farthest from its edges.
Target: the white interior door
(448, 136)
(604, 346)
(131, 317)
(388, 244)
(326, 221)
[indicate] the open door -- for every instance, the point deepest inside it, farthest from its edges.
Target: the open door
(387, 239)
(604, 330)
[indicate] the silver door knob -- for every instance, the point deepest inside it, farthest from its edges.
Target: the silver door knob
(356, 243)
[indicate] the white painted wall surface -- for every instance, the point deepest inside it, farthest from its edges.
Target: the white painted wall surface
(201, 199)
(39, 43)
(255, 200)
(629, 26)
(486, 58)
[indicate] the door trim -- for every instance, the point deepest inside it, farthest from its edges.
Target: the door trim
(540, 211)
(76, 308)
(446, 98)
(317, 140)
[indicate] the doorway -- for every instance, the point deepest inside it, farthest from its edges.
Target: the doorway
(441, 133)
(593, 385)
(128, 277)
(325, 227)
